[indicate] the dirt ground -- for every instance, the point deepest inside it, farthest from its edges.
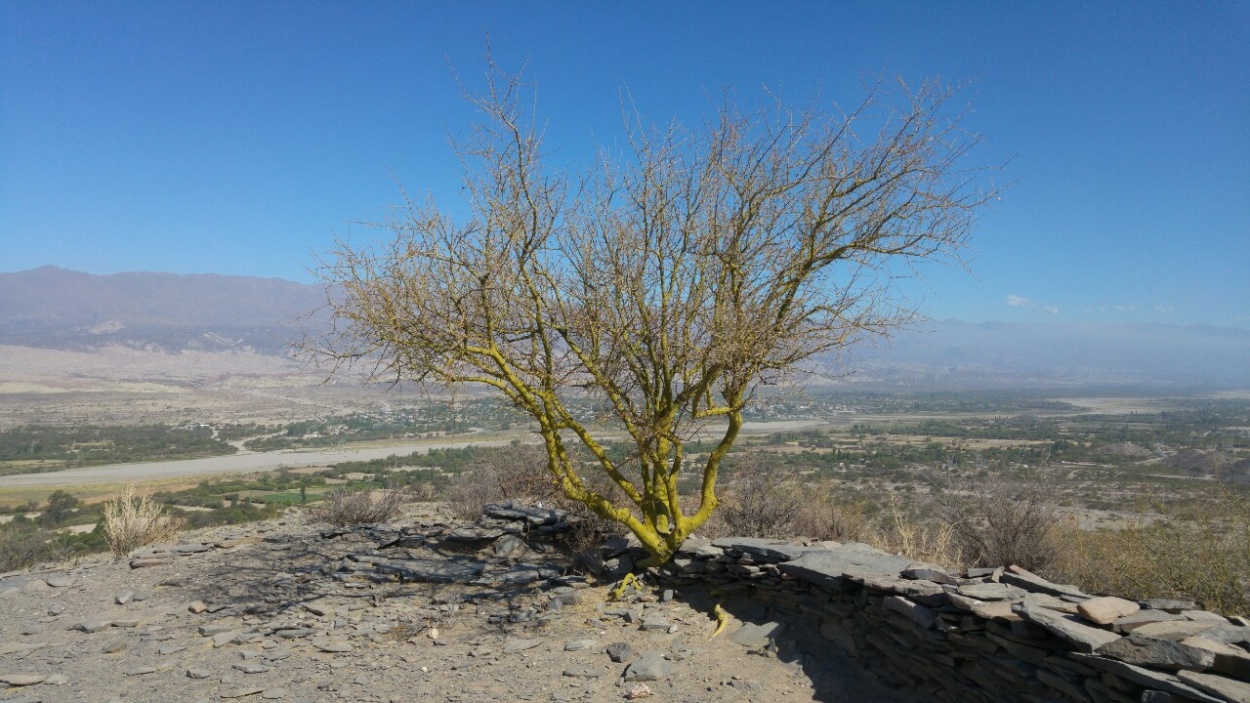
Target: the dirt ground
(281, 611)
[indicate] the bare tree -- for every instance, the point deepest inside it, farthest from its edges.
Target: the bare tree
(669, 282)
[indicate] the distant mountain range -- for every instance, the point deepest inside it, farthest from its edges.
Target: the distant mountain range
(54, 308)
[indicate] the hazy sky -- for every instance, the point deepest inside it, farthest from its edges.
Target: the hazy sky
(240, 137)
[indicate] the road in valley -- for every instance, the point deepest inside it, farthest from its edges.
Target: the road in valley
(233, 464)
(246, 462)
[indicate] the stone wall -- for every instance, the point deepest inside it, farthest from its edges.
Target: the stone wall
(985, 634)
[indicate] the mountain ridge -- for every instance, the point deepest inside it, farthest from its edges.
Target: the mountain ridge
(56, 308)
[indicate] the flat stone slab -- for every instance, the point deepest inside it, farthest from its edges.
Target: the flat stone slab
(333, 646)
(1032, 582)
(1129, 623)
(1176, 629)
(1145, 677)
(992, 591)
(470, 534)
(1107, 609)
(651, 666)
(1067, 627)
(1157, 653)
(771, 549)
(854, 561)
(433, 570)
(1228, 689)
(515, 511)
(755, 636)
(22, 679)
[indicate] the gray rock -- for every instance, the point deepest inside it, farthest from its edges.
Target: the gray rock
(1107, 609)
(215, 628)
(1228, 689)
(1067, 627)
(576, 645)
(655, 623)
(757, 636)
(92, 626)
(919, 614)
(22, 679)
(510, 547)
(852, 560)
(198, 673)
(472, 534)
(333, 646)
(770, 549)
(929, 574)
(651, 666)
(1129, 623)
(517, 512)
(1036, 584)
(583, 672)
(61, 580)
(292, 633)
(1144, 677)
(115, 646)
(124, 597)
(1176, 629)
(1229, 660)
(250, 668)
(1157, 653)
(273, 694)
(620, 652)
(433, 570)
(140, 671)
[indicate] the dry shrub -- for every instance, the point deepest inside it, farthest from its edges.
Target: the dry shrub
(518, 472)
(132, 521)
(1198, 550)
(21, 547)
(758, 503)
(931, 541)
(359, 507)
(1003, 523)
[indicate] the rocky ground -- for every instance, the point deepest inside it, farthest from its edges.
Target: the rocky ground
(423, 610)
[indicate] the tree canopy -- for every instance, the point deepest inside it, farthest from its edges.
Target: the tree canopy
(669, 280)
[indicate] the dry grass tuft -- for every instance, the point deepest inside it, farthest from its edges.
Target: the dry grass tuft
(132, 521)
(359, 507)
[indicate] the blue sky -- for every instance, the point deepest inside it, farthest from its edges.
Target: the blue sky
(241, 137)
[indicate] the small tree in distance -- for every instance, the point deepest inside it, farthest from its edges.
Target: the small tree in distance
(670, 281)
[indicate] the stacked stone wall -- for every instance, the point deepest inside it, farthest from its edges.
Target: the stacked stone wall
(985, 634)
